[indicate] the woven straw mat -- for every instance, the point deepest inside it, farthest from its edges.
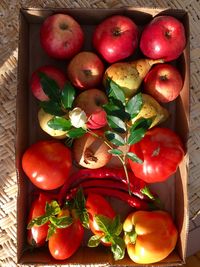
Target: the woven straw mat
(8, 80)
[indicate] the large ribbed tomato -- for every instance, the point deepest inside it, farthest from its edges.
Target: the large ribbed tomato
(47, 164)
(161, 151)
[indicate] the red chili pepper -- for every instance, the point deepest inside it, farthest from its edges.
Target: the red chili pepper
(105, 183)
(137, 186)
(132, 201)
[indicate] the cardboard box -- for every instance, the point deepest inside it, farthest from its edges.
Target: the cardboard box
(31, 56)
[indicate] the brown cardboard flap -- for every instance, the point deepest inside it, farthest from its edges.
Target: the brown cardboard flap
(31, 56)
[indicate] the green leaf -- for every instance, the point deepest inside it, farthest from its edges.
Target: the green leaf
(52, 108)
(134, 105)
(103, 223)
(59, 123)
(38, 221)
(69, 142)
(142, 123)
(115, 138)
(116, 226)
(76, 132)
(61, 222)
(134, 157)
(116, 124)
(67, 95)
(136, 136)
(51, 231)
(118, 248)
(94, 241)
(115, 152)
(115, 91)
(79, 205)
(115, 108)
(53, 208)
(50, 87)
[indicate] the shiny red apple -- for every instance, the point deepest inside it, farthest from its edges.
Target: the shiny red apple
(163, 82)
(116, 38)
(164, 37)
(91, 101)
(61, 36)
(53, 73)
(85, 70)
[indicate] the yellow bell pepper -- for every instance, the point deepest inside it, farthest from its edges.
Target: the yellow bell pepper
(150, 236)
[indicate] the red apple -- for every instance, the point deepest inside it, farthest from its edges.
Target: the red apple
(163, 82)
(116, 38)
(53, 73)
(91, 102)
(164, 37)
(85, 70)
(61, 36)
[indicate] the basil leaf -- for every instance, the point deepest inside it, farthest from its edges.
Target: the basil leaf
(59, 123)
(53, 208)
(136, 136)
(116, 124)
(67, 95)
(61, 222)
(134, 105)
(134, 157)
(94, 241)
(116, 91)
(79, 206)
(115, 152)
(76, 132)
(52, 108)
(51, 231)
(115, 138)
(118, 248)
(50, 87)
(103, 223)
(38, 221)
(116, 226)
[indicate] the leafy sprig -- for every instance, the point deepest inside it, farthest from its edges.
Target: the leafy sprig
(59, 104)
(111, 230)
(119, 112)
(51, 216)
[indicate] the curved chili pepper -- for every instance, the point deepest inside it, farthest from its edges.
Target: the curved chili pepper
(132, 201)
(137, 186)
(105, 183)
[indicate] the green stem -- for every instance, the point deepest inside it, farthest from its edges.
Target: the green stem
(123, 160)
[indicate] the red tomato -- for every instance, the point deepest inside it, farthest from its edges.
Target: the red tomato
(98, 205)
(37, 234)
(47, 164)
(161, 151)
(65, 242)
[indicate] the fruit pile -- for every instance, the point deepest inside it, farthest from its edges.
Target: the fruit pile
(105, 110)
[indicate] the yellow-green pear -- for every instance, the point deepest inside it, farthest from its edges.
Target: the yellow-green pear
(129, 75)
(43, 119)
(151, 109)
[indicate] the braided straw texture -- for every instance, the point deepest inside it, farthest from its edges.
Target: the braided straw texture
(9, 10)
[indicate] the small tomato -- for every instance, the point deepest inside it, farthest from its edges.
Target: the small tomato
(36, 235)
(65, 242)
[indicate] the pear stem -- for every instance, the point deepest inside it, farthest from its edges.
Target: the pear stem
(155, 61)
